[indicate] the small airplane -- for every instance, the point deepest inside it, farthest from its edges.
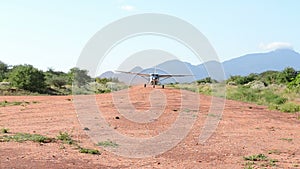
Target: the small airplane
(154, 78)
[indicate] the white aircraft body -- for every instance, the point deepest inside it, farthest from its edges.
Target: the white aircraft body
(154, 78)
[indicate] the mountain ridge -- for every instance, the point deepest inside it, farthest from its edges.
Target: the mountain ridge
(275, 60)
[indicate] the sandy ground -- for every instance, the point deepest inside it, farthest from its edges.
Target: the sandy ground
(244, 129)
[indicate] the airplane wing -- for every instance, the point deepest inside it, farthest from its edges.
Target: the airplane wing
(174, 75)
(140, 74)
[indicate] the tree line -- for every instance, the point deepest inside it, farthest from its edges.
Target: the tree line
(29, 78)
(288, 77)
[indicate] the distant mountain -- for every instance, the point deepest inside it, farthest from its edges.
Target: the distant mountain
(252, 63)
(107, 74)
(260, 62)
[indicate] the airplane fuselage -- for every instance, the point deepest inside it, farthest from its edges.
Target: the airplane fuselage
(154, 79)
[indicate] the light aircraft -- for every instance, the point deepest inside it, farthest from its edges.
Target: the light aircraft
(154, 78)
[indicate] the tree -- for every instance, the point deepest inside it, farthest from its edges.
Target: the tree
(295, 82)
(3, 71)
(105, 80)
(287, 75)
(241, 80)
(56, 78)
(269, 77)
(28, 78)
(79, 77)
(207, 80)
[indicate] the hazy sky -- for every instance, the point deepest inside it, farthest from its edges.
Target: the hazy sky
(52, 33)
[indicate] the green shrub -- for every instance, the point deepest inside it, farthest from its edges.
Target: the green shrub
(65, 137)
(258, 157)
(243, 93)
(28, 78)
(205, 89)
(270, 97)
(3, 71)
(206, 80)
(15, 103)
(89, 151)
(241, 80)
(289, 107)
(21, 137)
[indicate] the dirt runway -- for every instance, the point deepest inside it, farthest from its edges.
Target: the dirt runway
(244, 130)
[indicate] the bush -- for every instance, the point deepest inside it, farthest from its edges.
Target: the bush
(241, 80)
(56, 79)
(272, 98)
(89, 151)
(207, 80)
(264, 97)
(289, 107)
(3, 71)
(28, 78)
(65, 137)
(295, 83)
(258, 157)
(245, 94)
(78, 77)
(205, 89)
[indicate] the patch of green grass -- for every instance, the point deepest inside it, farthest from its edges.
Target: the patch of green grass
(14, 103)
(259, 96)
(272, 98)
(272, 162)
(249, 165)
(89, 151)
(21, 137)
(107, 143)
(4, 130)
(65, 137)
(262, 160)
(287, 139)
(289, 107)
(245, 94)
(258, 157)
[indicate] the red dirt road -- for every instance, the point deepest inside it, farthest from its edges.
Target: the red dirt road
(244, 129)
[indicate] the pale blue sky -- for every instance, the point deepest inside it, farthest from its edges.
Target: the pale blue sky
(52, 33)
